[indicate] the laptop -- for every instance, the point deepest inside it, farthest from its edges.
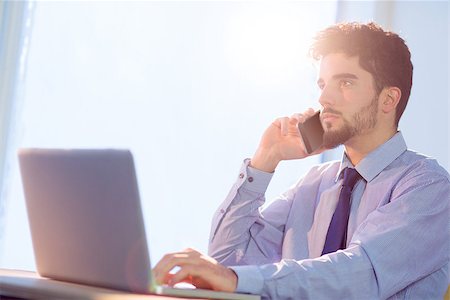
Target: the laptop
(86, 221)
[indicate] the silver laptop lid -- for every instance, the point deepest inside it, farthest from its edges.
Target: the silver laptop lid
(85, 217)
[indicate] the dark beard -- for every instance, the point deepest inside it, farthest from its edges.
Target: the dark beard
(366, 118)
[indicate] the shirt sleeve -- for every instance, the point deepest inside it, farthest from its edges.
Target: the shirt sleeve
(345, 274)
(240, 233)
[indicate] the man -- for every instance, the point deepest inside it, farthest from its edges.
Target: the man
(386, 238)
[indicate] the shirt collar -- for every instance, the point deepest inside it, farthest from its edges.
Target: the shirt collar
(377, 160)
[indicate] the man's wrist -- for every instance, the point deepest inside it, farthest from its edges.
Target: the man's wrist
(233, 279)
(264, 161)
(249, 279)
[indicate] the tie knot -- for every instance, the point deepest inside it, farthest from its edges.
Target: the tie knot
(351, 176)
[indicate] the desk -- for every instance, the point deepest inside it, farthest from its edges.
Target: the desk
(29, 285)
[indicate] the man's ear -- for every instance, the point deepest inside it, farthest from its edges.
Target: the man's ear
(390, 97)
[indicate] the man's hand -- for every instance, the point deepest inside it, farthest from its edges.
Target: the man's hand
(281, 141)
(195, 268)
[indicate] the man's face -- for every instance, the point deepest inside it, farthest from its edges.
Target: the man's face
(348, 98)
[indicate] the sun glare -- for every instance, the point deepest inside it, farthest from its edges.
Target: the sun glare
(267, 43)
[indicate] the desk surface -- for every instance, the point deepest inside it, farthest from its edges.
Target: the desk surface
(29, 285)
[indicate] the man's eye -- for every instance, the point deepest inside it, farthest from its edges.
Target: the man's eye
(346, 83)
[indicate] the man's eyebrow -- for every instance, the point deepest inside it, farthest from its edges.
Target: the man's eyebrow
(345, 76)
(340, 76)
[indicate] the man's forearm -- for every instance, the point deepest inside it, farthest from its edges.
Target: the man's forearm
(237, 215)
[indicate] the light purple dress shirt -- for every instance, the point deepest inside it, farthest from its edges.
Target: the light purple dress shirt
(398, 243)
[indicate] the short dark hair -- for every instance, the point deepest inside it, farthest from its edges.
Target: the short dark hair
(382, 53)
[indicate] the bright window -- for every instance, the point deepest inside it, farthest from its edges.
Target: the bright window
(189, 87)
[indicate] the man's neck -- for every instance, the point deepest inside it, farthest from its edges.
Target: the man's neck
(360, 146)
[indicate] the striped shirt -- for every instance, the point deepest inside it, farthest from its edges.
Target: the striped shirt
(398, 239)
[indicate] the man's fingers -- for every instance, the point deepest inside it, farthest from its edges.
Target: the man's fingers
(301, 117)
(203, 274)
(183, 275)
(288, 125)
(195, 268)
(188, 256)
(167, 263)
(284, 122)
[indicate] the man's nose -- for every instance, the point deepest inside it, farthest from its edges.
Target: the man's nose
(327, 96)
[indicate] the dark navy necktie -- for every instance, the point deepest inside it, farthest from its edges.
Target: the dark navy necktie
(337, 232)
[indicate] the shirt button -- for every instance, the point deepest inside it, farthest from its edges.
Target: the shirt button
(241, 175)
(250, 179)
(222, 211)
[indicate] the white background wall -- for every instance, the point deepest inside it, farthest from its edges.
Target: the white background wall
(426, 123)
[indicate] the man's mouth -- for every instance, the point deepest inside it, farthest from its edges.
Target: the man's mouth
(328, 117)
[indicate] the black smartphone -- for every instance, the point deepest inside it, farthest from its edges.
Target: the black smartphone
(312, 133)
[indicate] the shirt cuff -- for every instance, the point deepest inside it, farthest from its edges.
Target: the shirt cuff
(250, 279)
(255, 180)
